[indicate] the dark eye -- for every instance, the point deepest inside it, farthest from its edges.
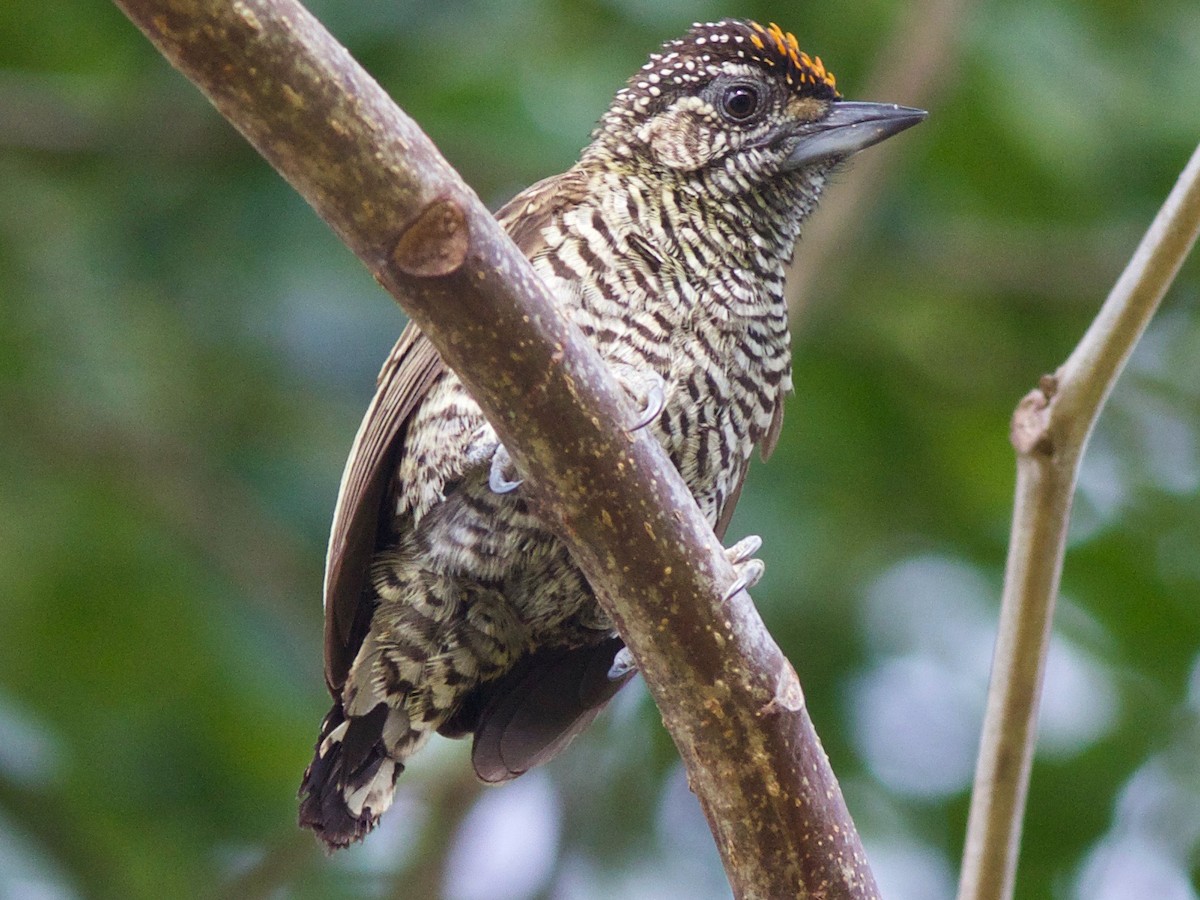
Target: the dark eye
(740, 102)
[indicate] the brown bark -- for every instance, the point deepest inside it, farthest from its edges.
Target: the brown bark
(728, 696)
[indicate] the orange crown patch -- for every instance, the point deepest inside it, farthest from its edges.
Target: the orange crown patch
(777, 47)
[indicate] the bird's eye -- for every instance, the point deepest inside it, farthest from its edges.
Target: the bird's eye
(740, 102)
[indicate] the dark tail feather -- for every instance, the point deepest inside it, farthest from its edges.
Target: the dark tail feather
(348, 785)
(529, 716)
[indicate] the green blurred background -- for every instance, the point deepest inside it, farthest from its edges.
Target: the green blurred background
(186, 350)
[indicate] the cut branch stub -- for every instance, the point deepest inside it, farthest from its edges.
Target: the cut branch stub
(436, 243)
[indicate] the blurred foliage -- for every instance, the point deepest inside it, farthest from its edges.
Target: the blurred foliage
(186, 351)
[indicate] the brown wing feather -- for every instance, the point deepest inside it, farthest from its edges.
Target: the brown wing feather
(405, 378)
(410, 370)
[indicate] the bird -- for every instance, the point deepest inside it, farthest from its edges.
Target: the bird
(450, 606)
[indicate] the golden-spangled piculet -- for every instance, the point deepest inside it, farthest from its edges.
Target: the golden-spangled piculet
(450, 607)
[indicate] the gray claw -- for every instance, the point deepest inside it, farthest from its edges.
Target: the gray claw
(748, 570)
(656, 399)
(748, 575)
(497, 480)
(743, 549)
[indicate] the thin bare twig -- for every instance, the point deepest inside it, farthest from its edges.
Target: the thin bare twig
(1050, 431)
(729, 697)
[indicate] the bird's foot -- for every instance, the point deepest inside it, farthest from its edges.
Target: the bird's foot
(498, 479)
(747, 569)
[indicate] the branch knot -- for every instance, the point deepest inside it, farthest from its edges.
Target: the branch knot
(1030, 432)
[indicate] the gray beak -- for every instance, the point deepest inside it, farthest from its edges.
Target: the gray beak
(848, 128)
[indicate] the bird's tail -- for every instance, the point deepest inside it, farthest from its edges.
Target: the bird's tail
(349, 783)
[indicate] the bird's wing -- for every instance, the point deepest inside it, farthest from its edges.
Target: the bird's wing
(361, 518)
(411, 368)
(526, 215)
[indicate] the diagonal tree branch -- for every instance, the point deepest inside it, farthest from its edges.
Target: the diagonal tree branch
(1050, 431)
(729, 697)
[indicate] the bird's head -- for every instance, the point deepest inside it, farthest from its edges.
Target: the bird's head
(742, 104)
